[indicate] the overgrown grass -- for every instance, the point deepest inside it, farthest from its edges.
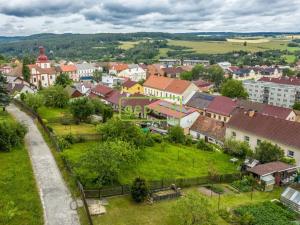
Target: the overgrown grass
(19, 199)
(123, 211)
(48, 113)
(157, 163)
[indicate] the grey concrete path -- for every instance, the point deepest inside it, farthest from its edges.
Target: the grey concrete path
(55, 196)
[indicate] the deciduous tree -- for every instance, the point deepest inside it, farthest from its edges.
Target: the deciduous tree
(233, 89)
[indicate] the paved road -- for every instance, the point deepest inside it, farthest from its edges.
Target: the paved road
(54, 194)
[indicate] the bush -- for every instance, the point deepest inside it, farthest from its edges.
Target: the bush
(50, 128)
(244, 185)
(62, 143)
(55, 96)
(237, 148)
(11, 135)
(70, 138)
(81, 108)
(149, 140)
(215, 188)
(188, 140)
(156, 137)
(288, 160)
(267, 152)
(139, 190)
(176, 135)
(202, 145)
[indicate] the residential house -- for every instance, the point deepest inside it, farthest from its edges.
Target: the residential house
(172, 114)
(85, 70)
(134, 72)
(204, 86)
(116, 68)
(210, 130)
(269, 110)
(18, 88)
(42, 74)
(170, 62)
(101, 91)
(155, 70)
(70, 70)
(84, 87)
(73, 92)
(112, 81)
(253, 128)
(172, 72)
(132, 87)
(6, 69)
(113, 99)
(221, 108)
(173, 90)
(200, 101)
(283, 91)
(224, 65)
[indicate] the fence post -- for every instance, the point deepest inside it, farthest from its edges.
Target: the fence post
(82, 194)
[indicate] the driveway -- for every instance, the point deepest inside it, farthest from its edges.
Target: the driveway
(55, 196)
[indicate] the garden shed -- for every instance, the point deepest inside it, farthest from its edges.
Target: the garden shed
(291, 197)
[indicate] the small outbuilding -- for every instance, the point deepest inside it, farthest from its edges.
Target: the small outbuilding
(291, 197)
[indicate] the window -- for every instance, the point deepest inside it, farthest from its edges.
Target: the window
(233, 134)
(246, 139)
(258, 141)
(34, 79)
(290, 154)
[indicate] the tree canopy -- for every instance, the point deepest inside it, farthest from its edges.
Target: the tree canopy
(233, 89)
(4, 95)
(63, 80)
(55, 96)
(267, 152)
(81, 108)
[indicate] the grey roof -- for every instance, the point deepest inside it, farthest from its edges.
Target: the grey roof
(200, 100)
(292, 195)
(84, 66)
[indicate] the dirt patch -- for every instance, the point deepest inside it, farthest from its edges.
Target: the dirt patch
(207, 191)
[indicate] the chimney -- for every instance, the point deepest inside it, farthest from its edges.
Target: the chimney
(251, 113)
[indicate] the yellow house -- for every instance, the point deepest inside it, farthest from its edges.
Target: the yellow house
(132, 87)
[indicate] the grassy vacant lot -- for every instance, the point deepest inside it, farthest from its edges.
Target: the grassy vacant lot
(215, 47)
(19, 200)
(128, 44)
(54, 114)
(157, 164)
(122, 211)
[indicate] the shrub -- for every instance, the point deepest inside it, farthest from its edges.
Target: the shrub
(62, 143)
(11, 135)
(70, 138)
(139, 190)
(50, 128)
(237, 148)
(156, 137)
(149, 140)
(267, 152)
(81, 108)
(176, 134)
(188, 140)
(288, 160)
(245, 184)
(202, 145)
(55, 96)
(216, 188)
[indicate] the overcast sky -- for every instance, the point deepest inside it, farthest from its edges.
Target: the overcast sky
(24, 17)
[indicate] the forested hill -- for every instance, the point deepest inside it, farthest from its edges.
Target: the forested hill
(100, 46)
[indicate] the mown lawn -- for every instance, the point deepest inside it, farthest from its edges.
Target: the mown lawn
(218, 47)
(48, 113)
(173, 162)
(19, 199)
(123, 211)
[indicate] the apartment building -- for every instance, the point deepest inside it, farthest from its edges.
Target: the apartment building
(281, 91)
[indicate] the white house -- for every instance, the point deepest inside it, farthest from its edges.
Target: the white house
(134, 73)
(111, 81)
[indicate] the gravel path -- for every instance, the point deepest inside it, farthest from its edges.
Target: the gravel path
(55, 196)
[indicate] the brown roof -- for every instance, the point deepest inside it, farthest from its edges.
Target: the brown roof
(269, 127)
(222, 105)
(114, 97)
(101, 90)
(209, 127)
(167, 84)
(129, 83)
(49, 71)
(202, 83)
(137, 100)
(270, 168)
(282, 80)
(266, 109)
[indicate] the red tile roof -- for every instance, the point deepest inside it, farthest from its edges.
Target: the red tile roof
(282, 80)
(202, 83)
(68, 68)
(266, 109)
(167, 84)
(270, 168)
(120, 67)
(101, 90)
(222, 105)
(129, 83)
(171, 110)
(269, 127)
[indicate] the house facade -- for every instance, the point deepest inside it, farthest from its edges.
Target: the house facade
(254, 128)
(134, 73)
(132, 87)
